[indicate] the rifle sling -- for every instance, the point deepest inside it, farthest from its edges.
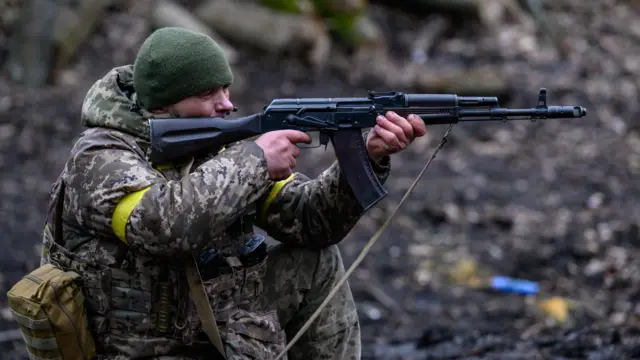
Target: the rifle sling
(199, 295)
(364, 252)
(203, 306)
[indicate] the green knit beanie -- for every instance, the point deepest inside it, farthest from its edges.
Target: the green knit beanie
(174, 63)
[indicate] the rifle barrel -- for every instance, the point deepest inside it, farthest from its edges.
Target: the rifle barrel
(452, 115)
(552, 112)
(448, 100)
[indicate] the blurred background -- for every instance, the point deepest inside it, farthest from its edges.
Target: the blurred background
(550, 202)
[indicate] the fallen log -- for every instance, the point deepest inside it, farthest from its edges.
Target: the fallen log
(168, 13)
(347, 21)
(368, 67)
(268, 30)
(481, 81)
(490, 13)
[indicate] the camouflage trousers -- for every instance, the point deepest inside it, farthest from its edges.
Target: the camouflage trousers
(297, 282)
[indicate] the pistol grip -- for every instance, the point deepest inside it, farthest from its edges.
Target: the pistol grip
(354, 161)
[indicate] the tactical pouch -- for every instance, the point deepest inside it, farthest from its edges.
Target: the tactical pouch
(49, 307)
(254, 336)
(48, 303)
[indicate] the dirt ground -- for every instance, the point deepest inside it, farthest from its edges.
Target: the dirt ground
(551, 202)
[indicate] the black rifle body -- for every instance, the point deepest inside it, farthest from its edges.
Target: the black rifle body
(341, 121)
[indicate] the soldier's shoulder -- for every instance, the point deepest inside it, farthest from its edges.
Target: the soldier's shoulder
(108, 139)
(99, 153)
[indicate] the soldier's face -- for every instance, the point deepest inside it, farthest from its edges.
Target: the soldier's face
(211, 103)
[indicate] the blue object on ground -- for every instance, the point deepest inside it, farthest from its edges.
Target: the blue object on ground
(510, 285)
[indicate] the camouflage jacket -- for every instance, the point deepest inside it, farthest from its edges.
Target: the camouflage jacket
(129, 224)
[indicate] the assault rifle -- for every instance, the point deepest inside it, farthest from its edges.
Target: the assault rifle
(339, 120)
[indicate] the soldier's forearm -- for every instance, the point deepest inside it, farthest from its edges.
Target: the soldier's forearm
(181, 216)
(316, 213)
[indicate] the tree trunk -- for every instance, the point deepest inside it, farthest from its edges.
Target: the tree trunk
(74, 27)
(31, 46)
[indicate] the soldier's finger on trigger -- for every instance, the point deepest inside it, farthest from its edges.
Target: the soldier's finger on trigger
(295, 151)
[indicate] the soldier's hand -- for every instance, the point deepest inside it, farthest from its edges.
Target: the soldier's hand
(280, 151)
(393, 133)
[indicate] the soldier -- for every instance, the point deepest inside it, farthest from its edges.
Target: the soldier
(131, 228)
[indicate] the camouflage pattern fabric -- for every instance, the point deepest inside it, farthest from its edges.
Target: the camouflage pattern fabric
(298, 282)
(182, 209)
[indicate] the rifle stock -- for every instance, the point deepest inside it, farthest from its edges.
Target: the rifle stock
(175, 138)
(339, 120)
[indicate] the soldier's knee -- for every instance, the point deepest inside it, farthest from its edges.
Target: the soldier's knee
(318, 269)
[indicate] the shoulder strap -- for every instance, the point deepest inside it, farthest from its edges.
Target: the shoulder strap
(199, 295)
(203, 306)
(54, 213)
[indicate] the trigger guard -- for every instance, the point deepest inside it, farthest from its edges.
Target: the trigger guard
(315, 141)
